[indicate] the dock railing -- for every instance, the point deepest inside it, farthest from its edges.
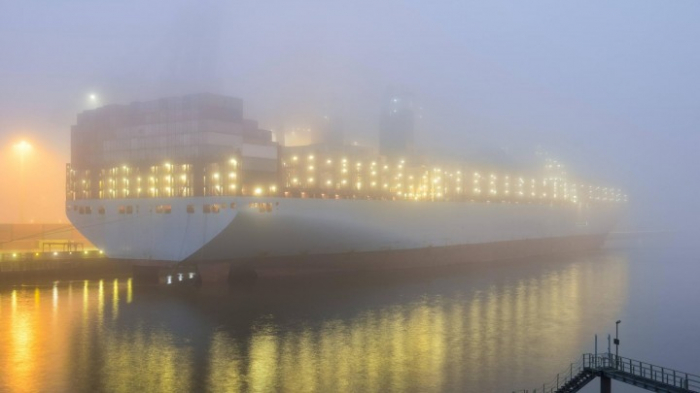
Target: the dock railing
(563, 378)
(671, 378)
(631, 371)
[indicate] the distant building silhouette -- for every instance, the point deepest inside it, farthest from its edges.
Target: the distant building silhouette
(332, 130)
(397, 123)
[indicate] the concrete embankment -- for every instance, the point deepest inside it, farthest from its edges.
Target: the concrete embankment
(27, 271)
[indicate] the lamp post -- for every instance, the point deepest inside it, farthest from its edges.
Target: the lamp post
(617, 341)
(93, 100)
(22, 148)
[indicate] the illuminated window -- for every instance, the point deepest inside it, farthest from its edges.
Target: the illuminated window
(190, 208)
(163, 209)
(263, 207)
(122, 209)
(101, 210)
(233, 205)
(210, 208)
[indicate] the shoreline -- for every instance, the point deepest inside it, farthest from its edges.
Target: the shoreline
(38, 271)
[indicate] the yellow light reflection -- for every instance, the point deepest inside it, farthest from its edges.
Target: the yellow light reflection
(100, 302)
(129, 291)
(22, 349)
(115, 299)
(54, 296)
(225, 365)
(423, 344)
(147, 360)
(85, 300)
(262, 367)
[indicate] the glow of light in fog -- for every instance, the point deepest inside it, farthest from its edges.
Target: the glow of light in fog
(23, 147)
(33, 180)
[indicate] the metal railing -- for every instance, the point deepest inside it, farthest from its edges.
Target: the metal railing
(663, 375)
(575, 370)
(27, 256)
(607, 364)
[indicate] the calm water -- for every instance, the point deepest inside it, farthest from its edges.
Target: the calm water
(483, 328)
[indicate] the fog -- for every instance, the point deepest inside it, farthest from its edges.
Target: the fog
(610, 89)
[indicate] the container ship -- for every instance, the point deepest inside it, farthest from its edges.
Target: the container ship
(189, 180)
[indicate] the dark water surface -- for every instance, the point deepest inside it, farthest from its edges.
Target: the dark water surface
(483, 328)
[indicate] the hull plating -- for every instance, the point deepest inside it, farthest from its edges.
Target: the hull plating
(300, 265)
(277, 227)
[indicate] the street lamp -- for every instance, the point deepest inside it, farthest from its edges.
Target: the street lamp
(617, 341)
(22, 149)
(93, 100)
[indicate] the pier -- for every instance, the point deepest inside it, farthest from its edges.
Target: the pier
(608, 366)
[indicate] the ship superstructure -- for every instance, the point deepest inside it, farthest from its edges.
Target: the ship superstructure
(189, 178)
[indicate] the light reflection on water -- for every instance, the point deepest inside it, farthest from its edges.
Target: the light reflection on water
(482, 328)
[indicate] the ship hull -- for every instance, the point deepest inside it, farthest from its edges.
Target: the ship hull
(279, 236)
(377, 261)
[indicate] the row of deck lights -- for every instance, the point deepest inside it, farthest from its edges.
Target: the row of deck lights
(166, 180)
(370, 177)
(435, 184)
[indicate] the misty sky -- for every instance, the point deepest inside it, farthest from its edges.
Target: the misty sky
(611, 88)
